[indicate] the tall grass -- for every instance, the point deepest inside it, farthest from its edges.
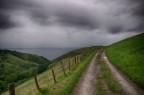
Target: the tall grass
(128, 56)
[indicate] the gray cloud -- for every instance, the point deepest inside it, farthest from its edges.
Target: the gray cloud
(139, 8)
(67, 23)
(81, 15)
(14, 4)
(7, 7)
(5, 22)
(139, 12)
(81, 21)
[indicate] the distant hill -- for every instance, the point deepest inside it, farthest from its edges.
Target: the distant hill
(16, 66)
(77, 52)
(128, 56)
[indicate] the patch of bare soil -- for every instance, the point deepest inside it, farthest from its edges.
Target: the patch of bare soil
(127, 85)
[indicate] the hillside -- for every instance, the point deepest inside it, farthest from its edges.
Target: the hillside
(128, 55)
(75, 52)
(65, 83)
(17, 66)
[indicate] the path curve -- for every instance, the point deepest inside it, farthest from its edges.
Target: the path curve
(87, 83)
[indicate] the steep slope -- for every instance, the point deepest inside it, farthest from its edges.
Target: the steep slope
(16, 66)
(128, 55)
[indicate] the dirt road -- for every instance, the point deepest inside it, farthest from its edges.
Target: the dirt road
(87, 83)
(127, 85)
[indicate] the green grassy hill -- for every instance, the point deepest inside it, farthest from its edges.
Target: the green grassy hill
(128, 56)
(75, 52)
(16, 66)
(65, 84)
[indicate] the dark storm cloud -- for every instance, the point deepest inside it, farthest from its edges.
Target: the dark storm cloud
(115, 29)
(6, 8)
(139, 9)
(62, 15)
(79, 20)
(73, 16)
(14, 4)
(8, 4)
(138, 12)
(40, 18)
(34, 23)
(5, 21)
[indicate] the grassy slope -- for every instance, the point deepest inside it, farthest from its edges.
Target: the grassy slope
(66, 85)
(45, 79)
(76, 52)
(16, 66)
(128, 56)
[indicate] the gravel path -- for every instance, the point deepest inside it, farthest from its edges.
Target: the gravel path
(128, 86)
(87, 83)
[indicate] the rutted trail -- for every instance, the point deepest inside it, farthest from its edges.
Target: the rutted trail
(128, 87)
(87, 83)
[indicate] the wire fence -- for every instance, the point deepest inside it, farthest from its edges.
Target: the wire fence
(61, 68)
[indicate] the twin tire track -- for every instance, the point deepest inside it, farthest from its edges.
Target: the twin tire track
(87, 83)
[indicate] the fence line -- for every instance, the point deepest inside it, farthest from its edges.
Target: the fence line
(63, 69)
(74, 61)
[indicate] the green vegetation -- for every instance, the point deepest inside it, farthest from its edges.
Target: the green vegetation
(128, 56)
(105, 79)
(16, 67)
(66, 84)
(73, 53)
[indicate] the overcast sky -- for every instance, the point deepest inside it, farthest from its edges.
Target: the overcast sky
(68, 23)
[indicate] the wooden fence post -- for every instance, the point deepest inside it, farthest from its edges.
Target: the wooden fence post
(63, 69)
(35, 77)
(54, 76)
(73, 62)
(78, 58)
(75, 59)
(11, 89)
(69, 64)
(84, 55)
(81, 57)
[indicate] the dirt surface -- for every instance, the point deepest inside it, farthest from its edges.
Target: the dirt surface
(127, 85)
(87, 83)
(102, 85)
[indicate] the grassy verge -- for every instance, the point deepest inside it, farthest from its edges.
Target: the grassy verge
(106, 79)
(128, 55)
(75, 52)
(65, 85)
